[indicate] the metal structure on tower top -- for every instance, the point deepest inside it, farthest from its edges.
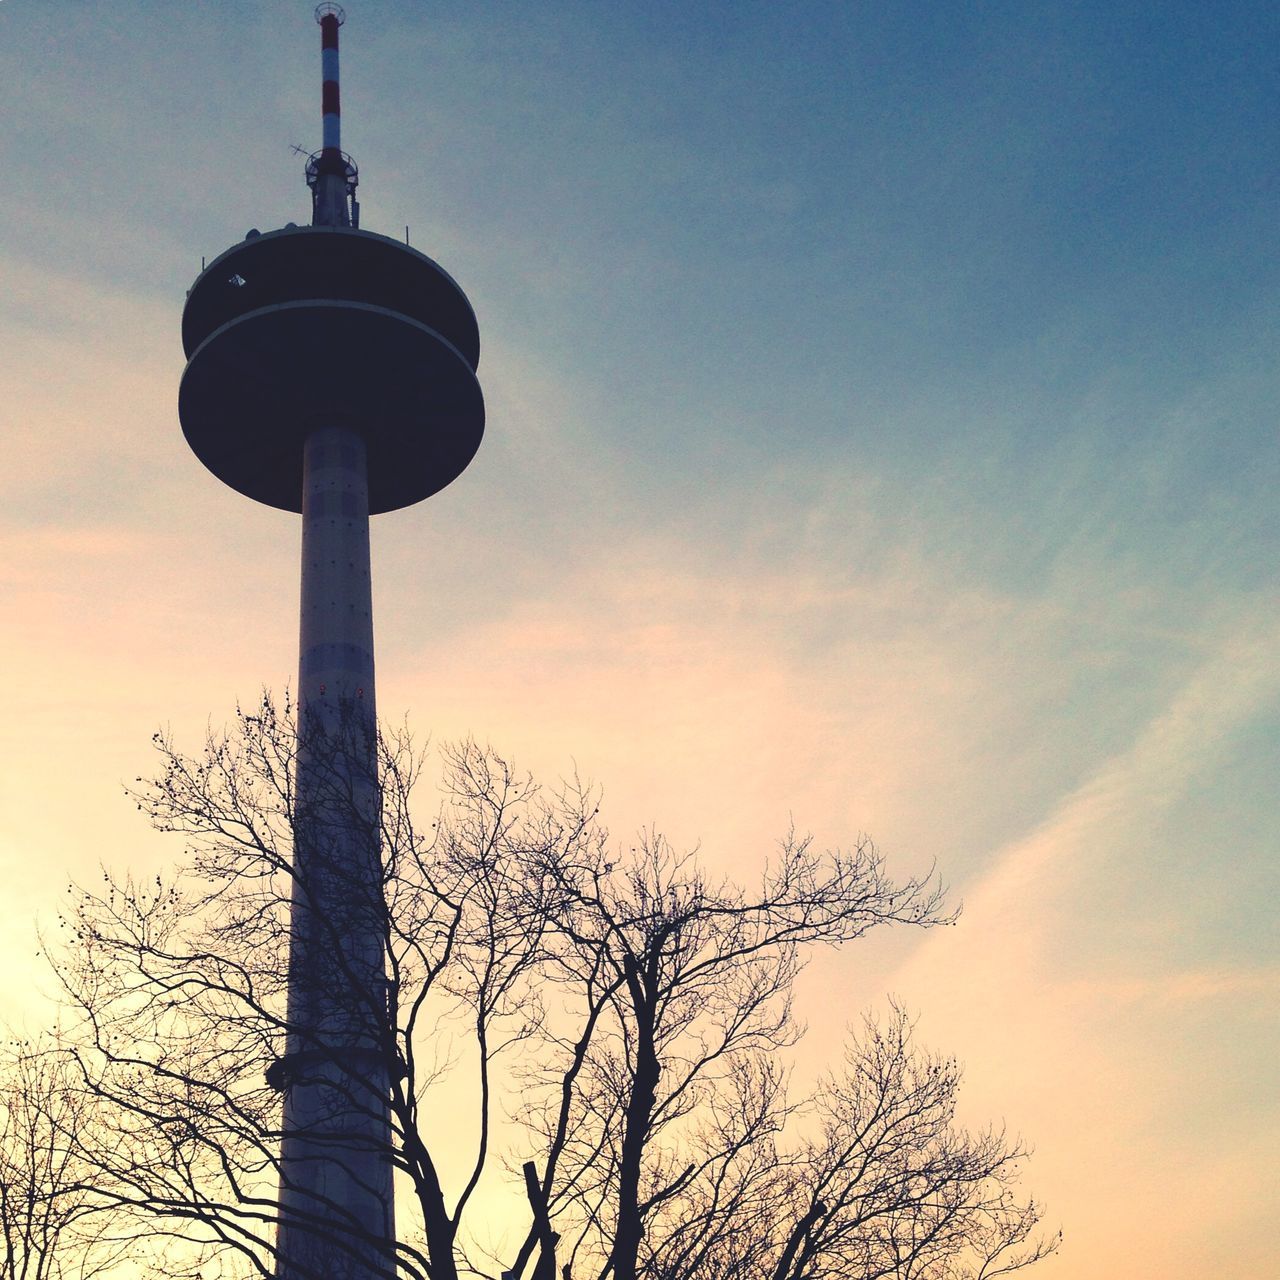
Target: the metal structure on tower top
(330, 320)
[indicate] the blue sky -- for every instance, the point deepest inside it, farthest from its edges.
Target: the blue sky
(882, 433)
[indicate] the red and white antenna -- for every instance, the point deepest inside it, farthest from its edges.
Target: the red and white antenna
(330, 17)
(331, 175)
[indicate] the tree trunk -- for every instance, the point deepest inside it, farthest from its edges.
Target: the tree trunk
(545, 1269)
(644, 1088)
(439, 1228)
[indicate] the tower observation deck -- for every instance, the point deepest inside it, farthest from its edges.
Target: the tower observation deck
(332, 372)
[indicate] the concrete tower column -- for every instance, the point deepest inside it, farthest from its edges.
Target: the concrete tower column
(335, 1153)
(335, 641)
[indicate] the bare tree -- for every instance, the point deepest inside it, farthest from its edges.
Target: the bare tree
(619, 1025)
(671, 1151)
(52, 1225)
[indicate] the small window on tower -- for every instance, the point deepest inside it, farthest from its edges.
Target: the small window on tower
(238, 280)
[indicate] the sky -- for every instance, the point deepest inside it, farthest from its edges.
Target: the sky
(882, 408)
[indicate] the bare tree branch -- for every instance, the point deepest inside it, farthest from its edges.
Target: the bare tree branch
(633, 1016)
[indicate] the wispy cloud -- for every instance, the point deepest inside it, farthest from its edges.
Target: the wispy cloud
(1088, 1043)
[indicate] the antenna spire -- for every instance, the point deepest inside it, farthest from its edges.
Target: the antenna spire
(331, 175)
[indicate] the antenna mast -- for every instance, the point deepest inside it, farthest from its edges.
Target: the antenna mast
(331, 174)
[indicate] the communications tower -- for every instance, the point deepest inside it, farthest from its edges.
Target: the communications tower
(331, 372)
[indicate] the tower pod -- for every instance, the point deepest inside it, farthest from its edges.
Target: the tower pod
(307, 326)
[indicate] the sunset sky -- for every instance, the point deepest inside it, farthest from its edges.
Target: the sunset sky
(882, 437)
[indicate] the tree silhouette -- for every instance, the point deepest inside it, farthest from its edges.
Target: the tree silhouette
(52, 1224)
(614, 1026)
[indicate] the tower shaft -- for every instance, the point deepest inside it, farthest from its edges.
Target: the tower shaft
(337, 1211)
(335, 641)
